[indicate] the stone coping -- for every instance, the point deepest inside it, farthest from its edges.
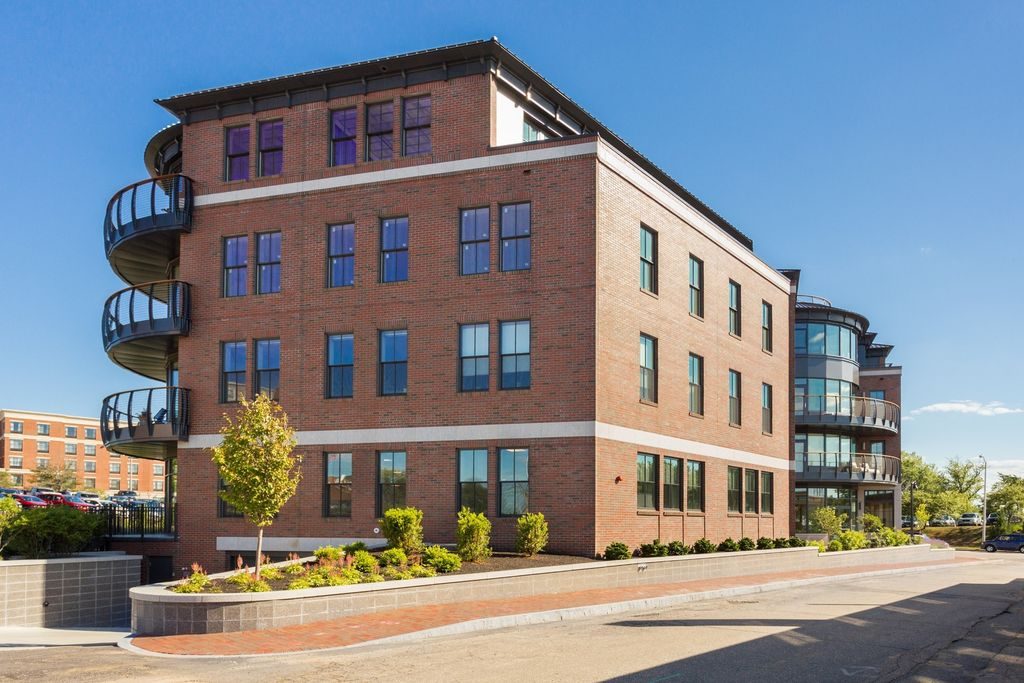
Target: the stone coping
(76, 559)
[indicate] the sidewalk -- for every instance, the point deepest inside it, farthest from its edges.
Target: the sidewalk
(12, 637)
(418, 621)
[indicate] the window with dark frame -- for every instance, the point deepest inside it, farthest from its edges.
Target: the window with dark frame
(648, 368)
(19, 427)
(390, 480)
(236, 265)
(734, 309)
(337, 484)
(473, 479)
(735, 398)
(696, 286)
(233, 367)
(341, 255)
(42, 429)
(514, 481)
(672, 472)
(767, 493)
(648, 260)
(766, 408)
(646, 482)
(90, 432)
(379, 128)
(18, 445)
(271, 148)
(475, 241)
(268, 263)
(515, 354)
(750, 494)
(71, 432)
(340, 365)
(223, 508)
(734, 487)
(416, 126)
(42, 462)
(70, 449)
(394, 362)
(343, 137)
(696, 376)
(42, 446)
(515, 236)
(236, 153)
(268, 368)
(766, 326)
(394, 250)
(474, 357)
(90, 449)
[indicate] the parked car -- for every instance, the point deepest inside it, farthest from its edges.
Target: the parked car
(149, 503)
(61, 499)
(27, 501)
(969, 519)
(907, 521)
(125, 494)
(1005, 542)
(942, 520)
(77, 498)
(36, 490)
(10, 492)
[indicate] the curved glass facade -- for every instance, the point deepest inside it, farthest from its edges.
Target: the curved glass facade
(826, 339)
(823, 450)
(822, 396)
(807, 499)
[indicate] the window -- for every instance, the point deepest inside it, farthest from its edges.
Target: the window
(694, 485)
(767, 493)
(17, 427)
(766, 326)
(475, 239)
(878, 394)
(158, 485)
(341, 255)
(71, 432)
(90, 465)
(515, 355)
(70, 449)
(648, 260)
(90, 433)
(133, 484)
(734, 489)
(379, 124)
(236, 158)
(133, 468)
(15, 461)
(696, 372)
(532, 131)
(750, 494)
(473, 479)
(394, 250)
(877, 448)
(268, 263)
(42, 462)
(648, 368)
(268, 367)
(474, 357)
(696, 286)
(115, 468)
(223, 509)
(734, 309)
(343, 137)
(766, 408)
(416, 126)
(271, 148)
(337, 484)
(18, 444)
(90, 449)
(89, 482)
(114, 484)
(391, 480)
(236, 265)
(43, 429)
(646, 482)
(672, 483)
(514, 478)
(394, 362)
(825, 338)
(340, 361)
(515, 237)
(735, 407)
(158, 469)
(233, 365)
(42, 446)
(71, 465)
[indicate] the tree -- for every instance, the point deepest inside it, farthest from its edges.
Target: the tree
(924, 474)
(963, 476)
(949, 503)
(1007, 497)
(10, 511)
(6, 480)
(256, 464)
(825, 520)
(56, 478)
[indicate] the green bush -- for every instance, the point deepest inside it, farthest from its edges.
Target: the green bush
(654, 549)
(444, 561)
(887, 538)
(256, 586)
(197, 581)
(403, 527)
(364, 562)
(328, 552)
(679, 548)
(354, 547)
(531, 533)
(795, 542)
(330, 576)
(61, 530)
(765, 543)
(782, 543)
(299, 584)
(295, 569)
(371, 578)
(473, 535)
(617, 550)
(392, 557)
(747, 543)
(825, 520)
(728, 546)
(834, 546)
(271, 574)
(420, 571)
(703, 546)
(819, 545)
(396, 574)
(872, 523)
(852, 540)
(239, 578)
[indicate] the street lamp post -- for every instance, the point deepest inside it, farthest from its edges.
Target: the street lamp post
(984, 504)
(913, 511)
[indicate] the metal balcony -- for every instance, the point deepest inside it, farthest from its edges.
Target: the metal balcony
(848, 467)
(858, 413)
(142, 226)
(141, 325)
(145, 423)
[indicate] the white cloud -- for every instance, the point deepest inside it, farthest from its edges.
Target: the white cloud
(969, 408)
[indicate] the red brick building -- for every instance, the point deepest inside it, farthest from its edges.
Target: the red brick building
(463, 289)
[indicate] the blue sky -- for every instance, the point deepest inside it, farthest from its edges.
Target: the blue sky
(877, 146)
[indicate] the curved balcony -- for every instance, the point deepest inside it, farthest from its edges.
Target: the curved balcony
(145, 423)
(142, 225)
(852, 467)
(141, 325)
(858, 413)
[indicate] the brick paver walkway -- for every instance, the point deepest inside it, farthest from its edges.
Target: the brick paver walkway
(364, 628)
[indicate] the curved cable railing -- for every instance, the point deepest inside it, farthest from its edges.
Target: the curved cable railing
(156, 414)
(851, 410)
(848, 467)
(812, 300)
(154, 308)
(162, 203)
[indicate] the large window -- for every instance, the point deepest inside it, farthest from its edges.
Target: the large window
(648, 368)
(807, 500)
(42, 446)
(766, 408)
(271, 148)
(696, 372)
(514, 480)
(825, 339)
(236, 153)
(515, 355)
(340, 361)
(831, 451)
(475, 241)
(672, 483)
(696, 286)
(90, 432)
(115, 468)
(877, 448)
(343, 137)
(766, 326)
(236, 265)
(341, 255)
(390, 480)
(735, 399)
(474, 359)
(71, 432)
(394, 362)
(750, 492)
(18, 444)
(70, 449)
(233, 365)
(416, 125)
(268, 367)
(42, 429)
(337, 484)
(394, 250)
(734, 484)
(515, 236)
(648, 259)
(15, 462)
(268, 263)
(735, 303)
(473, 479)
(878, 394)
(646, 482)
(379, 126)
(158, 469)
(90, 465)
(818, 396)
(18, 427)
(767, 493)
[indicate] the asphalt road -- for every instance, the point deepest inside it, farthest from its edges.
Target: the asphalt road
(955, 624)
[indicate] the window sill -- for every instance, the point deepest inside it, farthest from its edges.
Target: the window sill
(738, 515)
(648, 513)
(766, 352)
(735, 425)
(697, 317)
(674, 513)
(764, 433)
(767, 515)
(699, 416)
(653, 295)
(653, 404)
(735, 336)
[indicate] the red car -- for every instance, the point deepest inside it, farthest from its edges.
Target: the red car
(28, 501)
(60, 499)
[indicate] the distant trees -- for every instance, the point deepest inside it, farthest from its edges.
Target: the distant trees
(951, 490)
(56, 478)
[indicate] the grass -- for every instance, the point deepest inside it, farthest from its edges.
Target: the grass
(965, 537)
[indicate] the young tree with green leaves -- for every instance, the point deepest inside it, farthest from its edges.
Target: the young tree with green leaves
(963, 476)
(56, 478)
(6, 480)
(256, 463)
(1007, 498)
(10, 511)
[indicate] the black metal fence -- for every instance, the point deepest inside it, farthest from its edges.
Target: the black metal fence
(137, 522)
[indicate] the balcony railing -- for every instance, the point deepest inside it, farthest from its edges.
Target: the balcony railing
(854, 411)
(136, 523)
(868, 467)
(812, 300)
(162, 203)
(140, 325)
(144, 416)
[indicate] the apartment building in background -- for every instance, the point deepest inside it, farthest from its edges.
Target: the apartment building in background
(29, 440)
(465, 291)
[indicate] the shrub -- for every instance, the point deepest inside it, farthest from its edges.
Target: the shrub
(364, 562)
(654, 549)
(330, 576)
(61, 530)
(703, 546)
(197, 582)
(728, 546)
(531, 533)
(834, 546)
(444, 561)
(371, 578)
(354, 546)
(295, 569)
(271, 574)
(10, 512)
(825, 520)
(747, 543)
(473, 535)
(420, 571)
(238, 579)
(852, 540)
(255, 585)
(392, 557)
(403, 527)
(765, 543)
(887, 537)
(617, 550)
(782, 543)
(328, 552)
(299, 584)
(396, 574)
(819, 545)
(679, 548)
(872, 523)
(795, 542)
